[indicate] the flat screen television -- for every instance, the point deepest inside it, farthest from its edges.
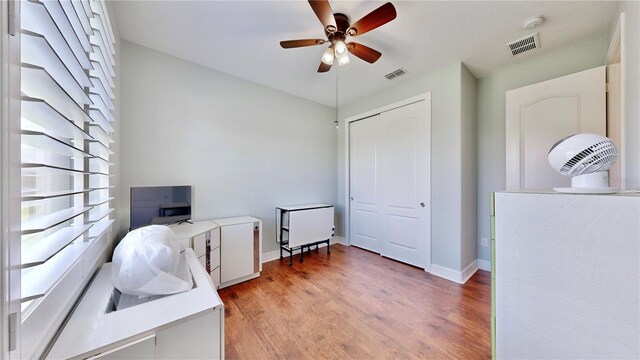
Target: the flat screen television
(159, 205)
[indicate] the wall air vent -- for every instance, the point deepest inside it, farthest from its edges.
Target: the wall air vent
(519, 46)
(394, 74)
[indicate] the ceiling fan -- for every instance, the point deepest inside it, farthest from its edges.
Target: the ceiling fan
(337, 28)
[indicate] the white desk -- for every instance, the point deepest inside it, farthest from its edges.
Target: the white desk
(185, 325)
(300, 226)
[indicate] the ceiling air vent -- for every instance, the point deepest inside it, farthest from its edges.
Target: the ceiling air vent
(525, 44)
(394, 74)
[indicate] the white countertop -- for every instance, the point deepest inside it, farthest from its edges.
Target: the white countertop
(90, 330)
(235, 220)
(186, 230)
(303, 207)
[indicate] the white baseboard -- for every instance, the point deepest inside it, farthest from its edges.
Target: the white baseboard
(484, 265)
(270, 256)
(469, 271)
(459, 277)
(275, 254)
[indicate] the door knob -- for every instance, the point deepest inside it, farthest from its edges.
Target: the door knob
(422, 204)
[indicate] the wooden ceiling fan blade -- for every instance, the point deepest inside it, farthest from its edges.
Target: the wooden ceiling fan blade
(324, 13)
(323, 67)
(288, 44)
(364, 52)
(374, 19)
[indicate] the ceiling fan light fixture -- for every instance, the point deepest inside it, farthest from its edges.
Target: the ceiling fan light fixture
(341, 47)
(328, 56)
(343, 59)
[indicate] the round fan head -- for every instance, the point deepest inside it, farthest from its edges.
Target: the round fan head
(586, 159)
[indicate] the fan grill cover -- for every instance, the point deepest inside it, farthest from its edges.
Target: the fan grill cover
(597, 157)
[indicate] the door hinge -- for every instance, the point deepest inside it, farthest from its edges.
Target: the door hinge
(606, 87)
(12, 17)
(13, 331)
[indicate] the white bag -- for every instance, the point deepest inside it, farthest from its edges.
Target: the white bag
(148, 262)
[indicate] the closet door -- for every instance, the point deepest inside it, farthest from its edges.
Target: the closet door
(389, 183)
(363, 185)
(403, 176)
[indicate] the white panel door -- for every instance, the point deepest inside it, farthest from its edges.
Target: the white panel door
(539, 115)
(403, 178)
(363, 184)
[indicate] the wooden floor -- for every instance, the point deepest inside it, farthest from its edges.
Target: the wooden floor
(354, 304)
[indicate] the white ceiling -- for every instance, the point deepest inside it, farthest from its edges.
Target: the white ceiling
(242, 38)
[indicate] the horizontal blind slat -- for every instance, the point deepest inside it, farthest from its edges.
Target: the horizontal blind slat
(99, 105)
(51, 194)
(101, 121)
(38, 280)
(44, 115)
(37, 83)
(48, 221)
(38, 253)
(45, 141)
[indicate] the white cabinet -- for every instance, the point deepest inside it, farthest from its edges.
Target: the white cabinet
(567, 269)
(204, 238)
(240, 249)
(185, 325)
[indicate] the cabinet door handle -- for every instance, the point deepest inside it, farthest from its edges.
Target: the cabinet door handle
(422, 204)
(351, 198)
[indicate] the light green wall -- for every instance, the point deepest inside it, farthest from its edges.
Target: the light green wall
(469, 168)
(491, 114)
(445, 88)
(245, 148)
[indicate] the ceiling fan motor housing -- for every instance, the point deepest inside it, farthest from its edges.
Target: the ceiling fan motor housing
(342, 23)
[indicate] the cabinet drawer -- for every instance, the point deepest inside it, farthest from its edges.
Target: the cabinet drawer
(215, 257)
(215, 238)
(200, 244)
(215, 277)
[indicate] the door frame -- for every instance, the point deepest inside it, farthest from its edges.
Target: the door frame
(426, 97)
(617, 47)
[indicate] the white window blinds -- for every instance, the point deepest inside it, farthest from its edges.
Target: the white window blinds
(67, 105)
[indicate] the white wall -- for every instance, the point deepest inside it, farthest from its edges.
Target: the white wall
(491, 114)
(445, 87)
(244, 148)
(632, 90)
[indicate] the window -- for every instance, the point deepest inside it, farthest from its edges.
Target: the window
(67, 104)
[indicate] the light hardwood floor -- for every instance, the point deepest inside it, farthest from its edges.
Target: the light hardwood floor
(354, 304)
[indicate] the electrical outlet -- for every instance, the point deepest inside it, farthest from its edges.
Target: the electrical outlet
(484, 242)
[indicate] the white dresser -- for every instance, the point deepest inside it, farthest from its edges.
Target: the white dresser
(230, 249)
(567, 276)
(204, 238)
(185, 325)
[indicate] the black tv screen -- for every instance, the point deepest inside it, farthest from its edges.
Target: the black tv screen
(159, 205)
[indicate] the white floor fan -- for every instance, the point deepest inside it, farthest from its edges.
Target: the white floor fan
(586, 158)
